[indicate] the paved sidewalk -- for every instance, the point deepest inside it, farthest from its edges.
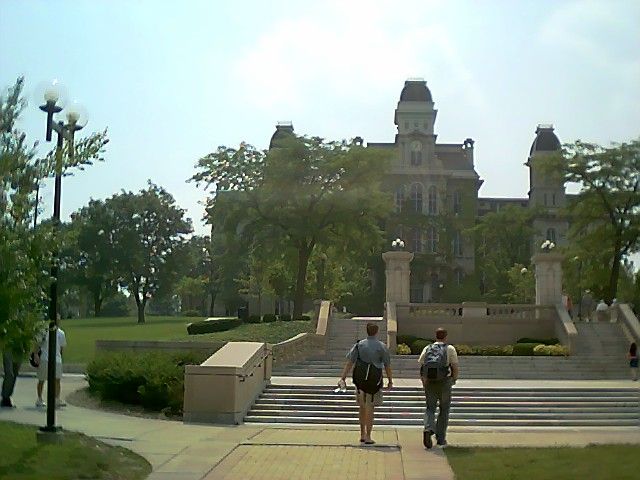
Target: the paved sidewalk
(196, 452)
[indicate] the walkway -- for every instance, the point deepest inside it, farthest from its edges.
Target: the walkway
(196, 452)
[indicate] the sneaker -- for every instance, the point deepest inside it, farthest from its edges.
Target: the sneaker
(60, 403)
(426, 439)
(6, 403)
(442, 444)
(40, 403)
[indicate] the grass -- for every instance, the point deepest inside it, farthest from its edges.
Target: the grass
(82, 333)
(603, 461)
(78, 456)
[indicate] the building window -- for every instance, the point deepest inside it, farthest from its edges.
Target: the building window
(399, 199)
(416, 197)
(459, 276)
(551, 234)
(416, 294)
(433, 200)
(416, 240)
(432, 240)
(457, 244)
(416, 153)
(457, 201)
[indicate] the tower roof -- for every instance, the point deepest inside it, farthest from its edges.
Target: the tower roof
(545, 141)
(415, 90)
(283, 129)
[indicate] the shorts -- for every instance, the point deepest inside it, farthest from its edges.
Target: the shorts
(43, 371)
(633, 363)
(367, 399)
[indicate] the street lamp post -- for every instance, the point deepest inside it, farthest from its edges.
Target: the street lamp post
(75, 122)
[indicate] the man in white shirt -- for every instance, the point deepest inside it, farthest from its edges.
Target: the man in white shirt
(439, 372)
(61, 343)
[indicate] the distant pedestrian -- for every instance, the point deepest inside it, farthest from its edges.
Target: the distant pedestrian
(12, 357)
(439, 372)
(43, 360)
(613, 311)
(601, 311)
(568, 304)
(586, 306)
(368, 357)
(633, 361)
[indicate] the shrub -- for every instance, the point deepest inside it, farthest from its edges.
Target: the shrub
(406, 339)
(507, 350)
(285, 317)
(153, 380)
(418, 345)
(254, 319)
(537, 341)
(269, 318)
(489, 350)
(403, 349)
(116, 306)
(210, 326)
(464, 349)
(551, 350)
(304, 318)
(192, 313)
(524, 349)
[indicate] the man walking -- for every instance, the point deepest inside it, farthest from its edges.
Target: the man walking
(439, 372)
(61, 343)
(367, 358)
(12, 357)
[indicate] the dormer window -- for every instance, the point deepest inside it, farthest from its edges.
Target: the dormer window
(416, 153)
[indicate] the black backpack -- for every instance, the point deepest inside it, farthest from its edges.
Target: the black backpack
(366, 376)
(436, 366)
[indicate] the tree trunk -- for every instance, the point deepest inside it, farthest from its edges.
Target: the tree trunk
(304, 253)
(212, 304)
(97, 303)
(615, 274)
(140, 304)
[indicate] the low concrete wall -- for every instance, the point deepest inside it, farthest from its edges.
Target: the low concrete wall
(565, 330)
(139, 346)
(491, 324)
(390, 316)
(223, 388)
(629, 321)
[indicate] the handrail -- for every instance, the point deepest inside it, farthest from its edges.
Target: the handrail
(392, 325)
(630, 321)
(565, 328)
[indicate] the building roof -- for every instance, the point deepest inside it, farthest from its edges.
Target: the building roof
(415, 91)
(545, 141)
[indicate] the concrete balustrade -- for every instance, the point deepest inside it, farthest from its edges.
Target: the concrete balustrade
(565, 330)
(392, 325)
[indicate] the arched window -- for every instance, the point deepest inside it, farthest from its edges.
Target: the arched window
(399, 198)
(416, 197)
(457, 201)
(457, 244)
(551, 234)
(416, 153)
(432, 240)
(416, 240)
(433, 200)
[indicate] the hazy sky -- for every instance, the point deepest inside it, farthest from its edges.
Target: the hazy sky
(173, 80)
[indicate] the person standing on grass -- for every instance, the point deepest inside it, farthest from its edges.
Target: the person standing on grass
(438, 372)
(633, 361)
(12, 356)
(43, 360)
(367, 358)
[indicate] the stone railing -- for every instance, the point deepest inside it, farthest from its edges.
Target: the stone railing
(306, 344)
(514, 310)
(629, 321)
(435, 309)
(565, 330)
(223, 388)
(391, 317)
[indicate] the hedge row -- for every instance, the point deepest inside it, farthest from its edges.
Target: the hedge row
(153, 380)
(519, 349)
(210, 326)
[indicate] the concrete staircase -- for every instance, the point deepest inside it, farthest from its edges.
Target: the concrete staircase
(482, 407)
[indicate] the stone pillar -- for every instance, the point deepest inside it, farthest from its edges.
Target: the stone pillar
(397, 273)
(548, 278)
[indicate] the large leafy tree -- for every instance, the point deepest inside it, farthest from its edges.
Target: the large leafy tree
(148, 231)
(25, 251)
(302, 193)
(605, 215)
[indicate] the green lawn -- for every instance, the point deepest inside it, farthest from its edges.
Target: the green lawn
(78, 456)
(83, 332)
(617, 462)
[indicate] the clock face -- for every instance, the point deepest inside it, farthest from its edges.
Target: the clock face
(416, 146)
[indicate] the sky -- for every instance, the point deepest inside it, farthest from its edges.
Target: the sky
(172, 80)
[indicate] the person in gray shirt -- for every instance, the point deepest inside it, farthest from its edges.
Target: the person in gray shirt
(370, 351)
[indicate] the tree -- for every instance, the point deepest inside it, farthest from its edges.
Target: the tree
(302, 193)
(148, 230)
(605, 215)
(502, 240)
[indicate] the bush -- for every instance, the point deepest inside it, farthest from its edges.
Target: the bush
(285, 317)
(464, 350)
(153, 380)
(254, 319)
(406, 339)
(524, 349)
(537, 341)
(403, 349)
(116, 306)
(210, 326)
(418, 345)
(303, 318)
(551, 350)
(192, 313)
(507, 350)
(489, 350)
(269, 318)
